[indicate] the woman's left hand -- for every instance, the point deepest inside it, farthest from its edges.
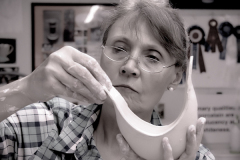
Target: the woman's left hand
(194, 137)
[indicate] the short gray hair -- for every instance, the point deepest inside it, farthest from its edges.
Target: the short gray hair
(164, 21)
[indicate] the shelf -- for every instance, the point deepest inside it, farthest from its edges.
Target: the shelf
(207, 90)
(198, 4)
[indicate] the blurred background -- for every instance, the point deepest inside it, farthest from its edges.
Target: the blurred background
(32, 29)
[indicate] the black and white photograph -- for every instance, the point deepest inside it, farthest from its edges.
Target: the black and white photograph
(119, 80)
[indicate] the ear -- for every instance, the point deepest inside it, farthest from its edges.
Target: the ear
(177, 78)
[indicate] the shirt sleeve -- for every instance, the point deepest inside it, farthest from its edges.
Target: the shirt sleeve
(7, 141)
(204, 153)
(23, 132)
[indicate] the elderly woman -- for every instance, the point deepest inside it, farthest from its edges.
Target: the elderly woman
(144, 54)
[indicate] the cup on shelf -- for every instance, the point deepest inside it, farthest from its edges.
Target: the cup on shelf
(5, 50)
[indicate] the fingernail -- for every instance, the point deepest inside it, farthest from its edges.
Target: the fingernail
(165, 142)
(119, 139)
(203, 120)
(109, 84)
(102, 95)
(192, 128)
(118, 136)
(105, 88)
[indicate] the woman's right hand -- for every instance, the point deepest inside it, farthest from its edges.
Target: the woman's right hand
(69, 73)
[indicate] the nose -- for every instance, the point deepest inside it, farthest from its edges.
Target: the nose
(130, 68)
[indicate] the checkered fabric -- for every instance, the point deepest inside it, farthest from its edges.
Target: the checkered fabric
(47, 131)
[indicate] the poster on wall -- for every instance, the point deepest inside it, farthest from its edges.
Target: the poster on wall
(220, 111)
(52, 39)
(7, 50)
(55, 25)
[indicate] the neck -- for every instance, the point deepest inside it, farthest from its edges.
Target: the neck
(107, 128)
(105, 134)
(108, 124)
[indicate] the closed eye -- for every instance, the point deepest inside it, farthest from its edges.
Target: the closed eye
(153, 56)
(117, 50)
(152, 59)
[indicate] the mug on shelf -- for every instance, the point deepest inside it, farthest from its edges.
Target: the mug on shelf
(5, 50)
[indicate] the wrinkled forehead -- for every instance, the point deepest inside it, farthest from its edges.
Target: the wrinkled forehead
(132, 23)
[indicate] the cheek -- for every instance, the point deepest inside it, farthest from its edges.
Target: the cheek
(156, 83)
(109, 67)
(155, 86)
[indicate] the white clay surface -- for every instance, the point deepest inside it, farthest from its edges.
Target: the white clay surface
(145, 138)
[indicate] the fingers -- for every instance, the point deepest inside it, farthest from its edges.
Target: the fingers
(77, 87)
(58, 87)
(85, 72)
(83, 75)
(93, 66)
(68, 72)
(167, 149)
(200, 129)
(192, 143)
(191, 140)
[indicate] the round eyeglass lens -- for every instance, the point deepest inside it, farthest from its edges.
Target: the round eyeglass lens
(149, 64)
(115, 53)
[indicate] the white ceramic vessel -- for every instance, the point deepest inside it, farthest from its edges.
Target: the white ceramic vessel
(145, 138)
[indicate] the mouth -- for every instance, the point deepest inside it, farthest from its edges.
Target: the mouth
(125, 86)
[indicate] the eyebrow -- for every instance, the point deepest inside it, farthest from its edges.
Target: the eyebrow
(126, 40)
(121, 39)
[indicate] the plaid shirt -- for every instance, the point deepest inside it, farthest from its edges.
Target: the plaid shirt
(48, 131)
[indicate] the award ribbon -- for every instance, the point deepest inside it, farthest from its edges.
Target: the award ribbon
(196, 36)
(225, 29)
(213, 38)
(236, 32)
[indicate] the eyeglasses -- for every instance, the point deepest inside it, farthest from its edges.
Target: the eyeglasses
(147, 61)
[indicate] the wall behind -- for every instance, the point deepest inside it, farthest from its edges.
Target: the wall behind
(23, 32)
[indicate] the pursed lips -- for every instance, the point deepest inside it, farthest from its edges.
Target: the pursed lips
(125, 86)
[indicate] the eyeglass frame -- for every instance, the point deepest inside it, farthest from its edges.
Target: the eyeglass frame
(131, 57)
